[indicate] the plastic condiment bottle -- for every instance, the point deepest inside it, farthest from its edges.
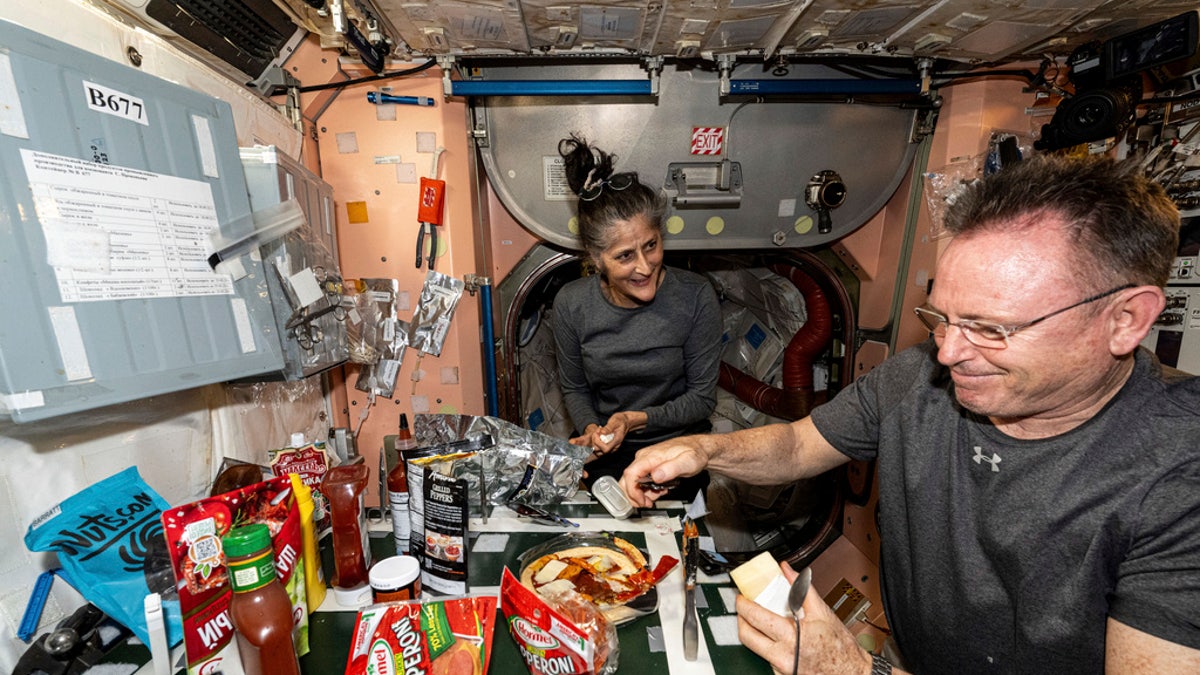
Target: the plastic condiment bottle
(260, 609)
(397, 485)
(314, 576)
(344, 487)
(396, 578)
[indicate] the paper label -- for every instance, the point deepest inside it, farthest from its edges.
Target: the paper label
(115, 103)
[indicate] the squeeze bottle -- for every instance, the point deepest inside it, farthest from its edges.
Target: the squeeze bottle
(260, 609)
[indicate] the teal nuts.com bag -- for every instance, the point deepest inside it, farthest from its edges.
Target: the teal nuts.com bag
(109, 540)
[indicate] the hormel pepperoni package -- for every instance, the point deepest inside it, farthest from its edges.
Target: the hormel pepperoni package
(450, 636)
(194, 532)
(561, 633)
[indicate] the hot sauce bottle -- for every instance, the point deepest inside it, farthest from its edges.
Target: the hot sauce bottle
(397, 486)
(260, 608)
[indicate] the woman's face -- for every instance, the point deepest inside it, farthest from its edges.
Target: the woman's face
(631, 264)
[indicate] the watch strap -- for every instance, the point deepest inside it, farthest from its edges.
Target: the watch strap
(880, 665)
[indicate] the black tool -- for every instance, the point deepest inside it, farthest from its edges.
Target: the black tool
(74, 646)
(421, 230)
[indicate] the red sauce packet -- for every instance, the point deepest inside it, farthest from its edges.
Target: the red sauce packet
(451, 636)
(193, 533)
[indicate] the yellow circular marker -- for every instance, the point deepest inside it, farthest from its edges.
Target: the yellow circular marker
(804, 224)
(674, 225)
(448, 409)
(441, 249)
(715, 225)
(573, 226)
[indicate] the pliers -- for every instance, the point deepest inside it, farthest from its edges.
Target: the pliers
(432, 229)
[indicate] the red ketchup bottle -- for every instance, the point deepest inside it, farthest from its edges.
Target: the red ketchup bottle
(344, 487)
(260, 609)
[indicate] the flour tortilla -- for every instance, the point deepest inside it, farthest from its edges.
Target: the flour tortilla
(627, 561)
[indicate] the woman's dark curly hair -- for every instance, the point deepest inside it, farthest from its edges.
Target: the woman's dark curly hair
(590, 167)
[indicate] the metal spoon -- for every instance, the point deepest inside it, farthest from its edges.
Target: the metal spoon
(796, 595)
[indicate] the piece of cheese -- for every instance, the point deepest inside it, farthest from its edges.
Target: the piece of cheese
(601, 563)
(549, 572)
(555, 587)
(754, 575)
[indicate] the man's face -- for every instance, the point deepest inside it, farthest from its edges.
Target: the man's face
(1049, 370)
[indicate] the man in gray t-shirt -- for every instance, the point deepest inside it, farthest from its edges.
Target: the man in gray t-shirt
(1039, 471)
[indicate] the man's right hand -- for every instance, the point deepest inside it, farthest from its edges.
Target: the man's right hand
(661, 463)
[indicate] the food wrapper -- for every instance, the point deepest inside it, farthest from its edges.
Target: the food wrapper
(194, 534)
(448, 636)
(558, 634)
(109, 539)
(435, 309)
(557, 464)
(311, 462)
(365, 315)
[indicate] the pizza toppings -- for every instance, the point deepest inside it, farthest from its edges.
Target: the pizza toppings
(605, 576)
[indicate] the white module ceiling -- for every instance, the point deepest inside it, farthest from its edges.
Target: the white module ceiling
(975, 31)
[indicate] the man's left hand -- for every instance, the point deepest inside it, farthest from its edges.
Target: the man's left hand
(826, 646)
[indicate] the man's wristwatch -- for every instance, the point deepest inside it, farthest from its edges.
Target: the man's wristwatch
(880, 665)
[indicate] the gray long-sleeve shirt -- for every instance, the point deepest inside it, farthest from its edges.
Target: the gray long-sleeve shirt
(661, 359)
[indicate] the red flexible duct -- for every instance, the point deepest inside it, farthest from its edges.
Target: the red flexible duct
(796, 398)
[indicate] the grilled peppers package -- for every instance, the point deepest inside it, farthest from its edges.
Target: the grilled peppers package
(194, 534)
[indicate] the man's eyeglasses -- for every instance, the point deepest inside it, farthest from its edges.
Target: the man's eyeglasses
(617, 182)
(993, 335)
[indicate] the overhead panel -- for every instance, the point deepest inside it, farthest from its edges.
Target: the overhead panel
(971, 31)
(854, 27)
(725, 26)
(622, 25)
(439, 27)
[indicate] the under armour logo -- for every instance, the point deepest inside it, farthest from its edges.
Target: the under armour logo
(994, 460)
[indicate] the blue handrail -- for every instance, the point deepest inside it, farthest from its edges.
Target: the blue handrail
(846, 87)
(489, 350)
(551, 88)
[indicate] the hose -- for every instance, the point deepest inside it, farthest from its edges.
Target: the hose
(796, 397)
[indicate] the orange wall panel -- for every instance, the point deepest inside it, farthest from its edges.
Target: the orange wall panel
(370, 155)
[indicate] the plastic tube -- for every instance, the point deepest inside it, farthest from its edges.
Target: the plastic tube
(160, 654)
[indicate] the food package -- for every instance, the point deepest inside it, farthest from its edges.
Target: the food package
(435, 309)
(444, 563)
(558, 633)
(366, 312)
(557, 464)
(447, 636)
(194, 534)
(448, 460)
(311, 462)
(109, 540)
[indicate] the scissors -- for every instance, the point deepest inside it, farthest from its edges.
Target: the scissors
(539, 515)
(421, 230)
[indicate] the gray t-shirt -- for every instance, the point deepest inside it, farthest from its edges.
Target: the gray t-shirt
(661, 358)
(1002, 555)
